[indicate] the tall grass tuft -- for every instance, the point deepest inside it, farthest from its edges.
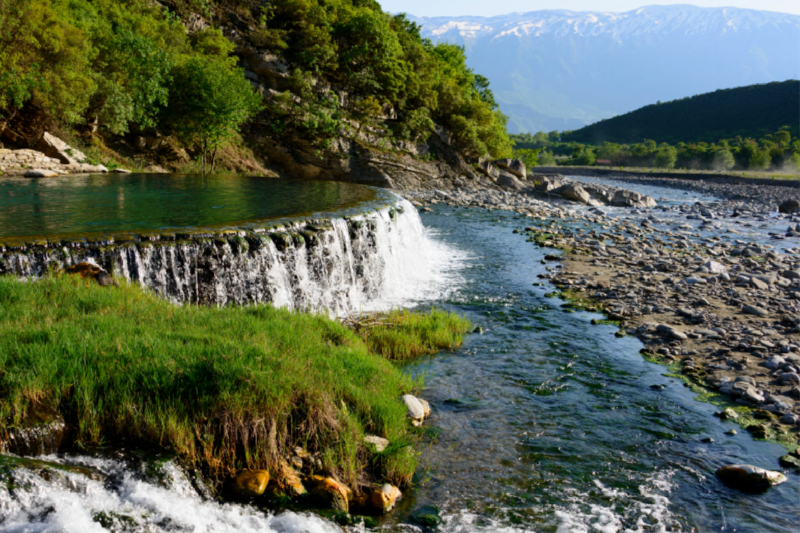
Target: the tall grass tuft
(225, 388)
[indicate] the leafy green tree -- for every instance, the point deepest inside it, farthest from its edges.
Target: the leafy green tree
(793, 163)
(666, 157)
(209, 103)
(760, 159)
(610, 151)
(547, 159)
(586, 158)
(782, 137)
(528, 156)
(371, 55)
(723, 160)
(132, 82)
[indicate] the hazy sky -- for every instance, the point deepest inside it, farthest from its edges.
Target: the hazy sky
(432, 8)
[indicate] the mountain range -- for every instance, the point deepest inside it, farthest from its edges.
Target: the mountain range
(561, 70)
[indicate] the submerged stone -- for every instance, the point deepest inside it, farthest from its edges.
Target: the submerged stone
(749, 478)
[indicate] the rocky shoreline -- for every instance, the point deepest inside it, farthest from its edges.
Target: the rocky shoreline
(722, 311)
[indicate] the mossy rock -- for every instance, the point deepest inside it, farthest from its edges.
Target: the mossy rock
(281, 240)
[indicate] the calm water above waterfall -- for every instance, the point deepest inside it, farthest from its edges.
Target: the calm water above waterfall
(149, 202)
(542, 423)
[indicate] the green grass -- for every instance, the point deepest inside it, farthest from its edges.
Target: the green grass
(224, 388)
(401, 334)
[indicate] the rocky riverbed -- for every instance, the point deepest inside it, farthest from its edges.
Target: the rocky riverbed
(721, 308)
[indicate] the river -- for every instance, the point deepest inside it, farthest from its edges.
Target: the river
(540, 423)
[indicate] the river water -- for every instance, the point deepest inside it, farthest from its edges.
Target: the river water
(541, 423)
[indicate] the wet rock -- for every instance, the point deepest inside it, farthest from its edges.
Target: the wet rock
(41, 432)
(379, 442)
(41, 173)
(748, 478)
(250, 483)
(728, 414)
(384, 498)
(331, 493)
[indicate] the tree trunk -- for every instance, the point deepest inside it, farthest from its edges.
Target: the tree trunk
(205, 151)
(214, 159)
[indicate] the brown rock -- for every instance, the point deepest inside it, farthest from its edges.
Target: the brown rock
(287, 481)
(331, 492)
(384, 498)
(250, 483)
(748, 478)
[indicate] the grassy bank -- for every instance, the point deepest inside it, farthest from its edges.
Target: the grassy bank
(225, 388)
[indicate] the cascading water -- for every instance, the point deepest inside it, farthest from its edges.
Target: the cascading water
(336, 265)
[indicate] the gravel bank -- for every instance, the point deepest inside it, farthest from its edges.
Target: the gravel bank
(725, 312)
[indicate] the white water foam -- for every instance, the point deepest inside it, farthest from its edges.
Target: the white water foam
(74, 503)
(645, 512)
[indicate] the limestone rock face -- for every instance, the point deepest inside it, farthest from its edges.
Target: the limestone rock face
(54, 147)
(749, 478)
(250, 483)
(548, 183)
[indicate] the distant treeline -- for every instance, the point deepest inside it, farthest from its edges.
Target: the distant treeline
(751, 111)
(778, 151)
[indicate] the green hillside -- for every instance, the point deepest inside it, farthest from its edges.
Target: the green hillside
(751, 111)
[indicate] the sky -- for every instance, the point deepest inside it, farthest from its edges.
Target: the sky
(487, 8)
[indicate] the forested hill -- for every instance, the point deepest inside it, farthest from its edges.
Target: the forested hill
(751, 111)
(335, 78)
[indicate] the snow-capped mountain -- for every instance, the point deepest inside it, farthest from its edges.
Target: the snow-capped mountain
(562, 69)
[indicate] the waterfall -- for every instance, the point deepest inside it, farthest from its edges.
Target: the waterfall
(338, 265)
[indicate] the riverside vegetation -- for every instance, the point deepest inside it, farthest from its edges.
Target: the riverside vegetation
(225, 389)
(139, 81)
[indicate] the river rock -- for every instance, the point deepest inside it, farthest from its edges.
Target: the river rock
(509, 181)
(416, 411)
(790, 206)
(512, 166)
(250, 483)
(41, 173)
(331, 492)
(714, 267)
(576, 193)
(755, 310)
(384, 498)
(671, 332)
(748, 478)
(379, 442)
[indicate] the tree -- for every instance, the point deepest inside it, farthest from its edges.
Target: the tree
(546, 158)
(209, 103)
(760, 159)
(666, 157)
(782, 137)
(723, 160)
(586, 158)
(528, 156)
(793, 163)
